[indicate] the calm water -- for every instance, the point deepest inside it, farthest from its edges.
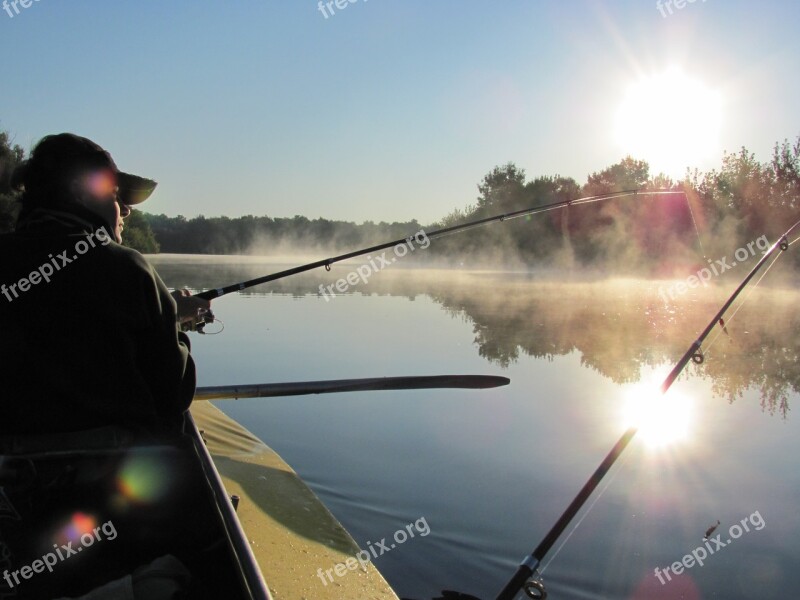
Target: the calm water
(490, 471)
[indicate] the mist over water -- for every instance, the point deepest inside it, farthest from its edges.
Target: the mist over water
(491, 470)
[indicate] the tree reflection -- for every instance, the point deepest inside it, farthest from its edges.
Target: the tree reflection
(616, 326)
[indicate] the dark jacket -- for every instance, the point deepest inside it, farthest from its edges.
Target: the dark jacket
(98, 344)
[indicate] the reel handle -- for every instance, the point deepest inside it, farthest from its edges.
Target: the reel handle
(204, 318)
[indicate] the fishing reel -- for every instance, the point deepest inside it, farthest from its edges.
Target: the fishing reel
(204, 317)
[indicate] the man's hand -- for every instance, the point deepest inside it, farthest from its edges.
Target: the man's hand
(190, 308)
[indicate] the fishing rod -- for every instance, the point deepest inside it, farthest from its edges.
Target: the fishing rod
(208, 317)
(522, 579)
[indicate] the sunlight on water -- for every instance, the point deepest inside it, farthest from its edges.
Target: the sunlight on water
(661, 419)
(491, 470)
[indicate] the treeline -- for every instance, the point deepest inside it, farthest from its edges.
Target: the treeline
(724, 209)
(265, 235)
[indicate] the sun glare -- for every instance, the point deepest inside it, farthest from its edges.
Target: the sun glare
(670, 120)
(661, 419)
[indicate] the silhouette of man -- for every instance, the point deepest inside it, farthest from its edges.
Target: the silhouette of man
(90, 334)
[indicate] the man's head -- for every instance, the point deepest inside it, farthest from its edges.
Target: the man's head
(67, 169)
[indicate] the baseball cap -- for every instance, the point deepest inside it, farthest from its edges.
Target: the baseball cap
(57, 159)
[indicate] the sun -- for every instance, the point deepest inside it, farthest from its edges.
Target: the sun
(670, 120)
(661, 419)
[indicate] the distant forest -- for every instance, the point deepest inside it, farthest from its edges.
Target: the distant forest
(727, 207)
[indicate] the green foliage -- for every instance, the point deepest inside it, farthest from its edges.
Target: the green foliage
(661, 235)
(628, 174)
(502, 189)
(745, 199)
(265, 235)
(138, 234)
(10, 157)
(727, 208)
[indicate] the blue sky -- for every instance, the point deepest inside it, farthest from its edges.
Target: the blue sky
(387, 109)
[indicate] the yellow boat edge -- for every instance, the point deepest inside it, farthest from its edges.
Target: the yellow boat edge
(293, 535)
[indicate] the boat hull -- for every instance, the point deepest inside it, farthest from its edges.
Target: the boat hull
(292, 534)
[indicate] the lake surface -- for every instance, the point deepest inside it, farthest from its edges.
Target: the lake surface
(490, 471)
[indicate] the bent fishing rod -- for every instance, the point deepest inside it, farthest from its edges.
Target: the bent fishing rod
(524, 577)
(327, 262)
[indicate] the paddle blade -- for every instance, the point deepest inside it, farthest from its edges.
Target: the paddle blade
(299, 388)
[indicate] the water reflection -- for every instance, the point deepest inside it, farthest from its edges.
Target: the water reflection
(617, 327)
(661, 419)
(491, 472)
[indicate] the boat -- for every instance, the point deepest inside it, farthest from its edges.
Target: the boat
(150, 520)
(291, 532)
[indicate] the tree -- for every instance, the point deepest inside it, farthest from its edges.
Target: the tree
(10, 157)
(138, 234)
(627, 174)
(785, 180)
(555, 225)
(502, 189)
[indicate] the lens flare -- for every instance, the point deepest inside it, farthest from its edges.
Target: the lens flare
(143, 479)
(101, 184)
(78, 524)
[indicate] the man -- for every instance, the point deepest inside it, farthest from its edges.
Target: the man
(89, 334)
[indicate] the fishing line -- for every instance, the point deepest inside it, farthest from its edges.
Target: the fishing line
(626, 457)
(749, 293)
(430, 235)
(526, 574)
(743, 301)
(327, 262)
(697, 231)
(588, 510)
(456, 229)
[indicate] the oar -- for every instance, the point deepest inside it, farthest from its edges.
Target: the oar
(299, 388)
